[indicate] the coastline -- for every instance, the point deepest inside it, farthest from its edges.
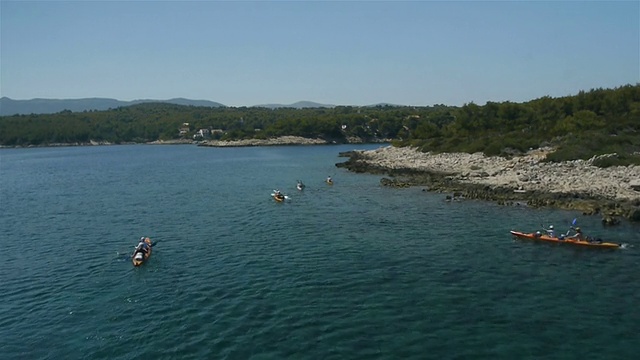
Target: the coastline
(277, 141)
(524, 180)
(283, 140)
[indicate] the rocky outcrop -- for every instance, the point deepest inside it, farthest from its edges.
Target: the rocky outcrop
(576, 185)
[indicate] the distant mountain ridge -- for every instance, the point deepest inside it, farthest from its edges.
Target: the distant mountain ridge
(297, 105)
(311, 104)
(10, 106)
(50, 106)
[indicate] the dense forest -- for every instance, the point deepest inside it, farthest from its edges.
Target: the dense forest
(590, 123)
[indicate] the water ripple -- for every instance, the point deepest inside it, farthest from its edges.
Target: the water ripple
(351, 271)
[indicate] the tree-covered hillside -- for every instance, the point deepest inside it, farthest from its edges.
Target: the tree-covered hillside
(580, 126)
(590, 123)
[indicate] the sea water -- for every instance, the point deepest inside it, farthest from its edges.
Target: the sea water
(352, 270)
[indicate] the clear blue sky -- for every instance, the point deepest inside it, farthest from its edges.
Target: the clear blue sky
(331, 52)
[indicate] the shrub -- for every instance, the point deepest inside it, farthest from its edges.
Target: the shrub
(494, 149)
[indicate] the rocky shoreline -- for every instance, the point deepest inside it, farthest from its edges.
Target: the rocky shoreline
(525, 180)
(283, 140)
(89, 143)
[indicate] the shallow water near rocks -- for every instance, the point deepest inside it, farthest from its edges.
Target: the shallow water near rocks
(353, 270)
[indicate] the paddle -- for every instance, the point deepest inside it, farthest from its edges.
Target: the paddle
(573, 223)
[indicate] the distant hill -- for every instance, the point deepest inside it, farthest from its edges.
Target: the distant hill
(311, 104)
(50, 106)
(385, 104)
(298, 105)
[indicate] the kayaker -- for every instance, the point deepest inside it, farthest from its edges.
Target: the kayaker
(578, 235)
(329, 179)
(142, 245)
(550, 231)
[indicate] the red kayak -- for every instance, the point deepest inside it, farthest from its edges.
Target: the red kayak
(588, 243)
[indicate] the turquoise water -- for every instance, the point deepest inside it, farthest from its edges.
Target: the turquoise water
(349, 271)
